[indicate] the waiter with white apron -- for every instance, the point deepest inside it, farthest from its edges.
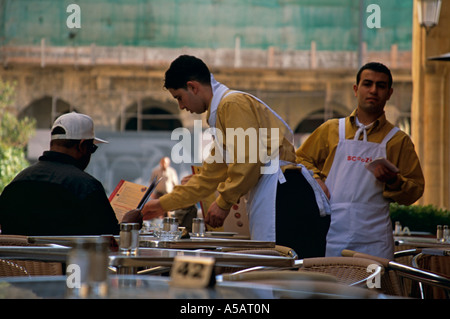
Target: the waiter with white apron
(262, 198)
(360, 213)
(338, 151)
(191, 84)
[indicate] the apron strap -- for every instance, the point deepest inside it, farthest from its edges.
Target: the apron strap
(389, 135)
(342, 129)
(291, 137)
(218, 91)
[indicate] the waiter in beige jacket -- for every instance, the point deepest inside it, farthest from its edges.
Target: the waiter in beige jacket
(274, 214)
(338, 153)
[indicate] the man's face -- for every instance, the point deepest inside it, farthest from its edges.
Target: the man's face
(373, 91)
(189, 99)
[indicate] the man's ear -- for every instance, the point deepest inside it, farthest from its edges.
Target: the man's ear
(82, 146)
(355, 89)
(193, 85)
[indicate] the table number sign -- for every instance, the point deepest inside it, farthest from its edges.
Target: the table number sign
(192, 272)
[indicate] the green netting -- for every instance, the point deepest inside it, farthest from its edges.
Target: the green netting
(285, 24)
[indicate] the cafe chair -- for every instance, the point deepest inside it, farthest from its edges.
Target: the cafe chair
(13, 240)
(277, 275)
(30, 267)
(357, 272)
(278, 250)
(401, 279)
(40, 268)
(298, 284)
(437, 264)
(391, 284)
(11, 269)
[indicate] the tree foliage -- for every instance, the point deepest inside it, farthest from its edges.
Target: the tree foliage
(14, 136)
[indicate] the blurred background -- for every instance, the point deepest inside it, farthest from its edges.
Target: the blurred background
(107, 58)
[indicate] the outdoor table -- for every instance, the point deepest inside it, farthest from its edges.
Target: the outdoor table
(154, 257)
(204, 243)
(437, 251)
(153, 242)
(49, 252)
(157, 287)
(147, 257)
(409, 242)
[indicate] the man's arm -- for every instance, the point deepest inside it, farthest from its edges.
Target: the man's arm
(315, 150)
(408, 186)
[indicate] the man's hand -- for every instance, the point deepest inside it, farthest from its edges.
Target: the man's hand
(384, 174)
(133, 216)
(216, 215)
(324, 187)
(152, 209)
(186, 179)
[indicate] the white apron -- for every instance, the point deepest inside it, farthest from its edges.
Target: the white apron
(360, 218)
(261, 199)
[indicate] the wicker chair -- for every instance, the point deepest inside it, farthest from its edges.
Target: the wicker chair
(278, 250)
(391, 284)
(439, 265)
(300, 284)
(265, 275)
(393, 281)
(11, 269)
(349, 271)
(14, 240)
(28, 267)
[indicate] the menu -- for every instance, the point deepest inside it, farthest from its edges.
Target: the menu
(371, 166)
(125, 197)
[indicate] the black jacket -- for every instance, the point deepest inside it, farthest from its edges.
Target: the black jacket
(55, 197)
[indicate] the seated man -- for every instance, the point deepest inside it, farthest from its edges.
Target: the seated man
(55, 196)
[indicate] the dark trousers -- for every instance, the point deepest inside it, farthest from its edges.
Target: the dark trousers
(298, 222)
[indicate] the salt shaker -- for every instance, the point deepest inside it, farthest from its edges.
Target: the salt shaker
(439, 233)
(87, 270)
(398, 228)
(135, 229)
(198, 227)
(445, 234)
(170, 224)
(129, 238)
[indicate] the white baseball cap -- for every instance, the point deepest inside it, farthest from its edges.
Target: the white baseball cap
(77, 127)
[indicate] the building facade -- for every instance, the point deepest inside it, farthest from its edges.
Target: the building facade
(300, 57)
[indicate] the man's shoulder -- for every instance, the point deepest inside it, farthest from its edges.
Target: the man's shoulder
(237, 98)
(62, 174)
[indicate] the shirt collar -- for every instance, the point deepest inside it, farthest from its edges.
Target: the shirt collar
(379, 122)
(52, 156)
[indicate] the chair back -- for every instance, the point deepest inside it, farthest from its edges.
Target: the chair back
(25, 267)
(353, 271)
(440, 265)
(11, 269)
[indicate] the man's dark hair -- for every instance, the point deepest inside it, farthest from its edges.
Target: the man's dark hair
(377, 67)
(186, 68)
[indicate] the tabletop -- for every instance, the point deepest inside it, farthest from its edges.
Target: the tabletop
(152, 257)
(157, 287)
(212, 242)
(419, 242)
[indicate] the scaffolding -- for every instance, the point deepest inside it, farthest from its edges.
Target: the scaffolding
(333, 25)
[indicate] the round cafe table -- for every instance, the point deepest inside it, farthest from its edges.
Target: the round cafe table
(158, 287)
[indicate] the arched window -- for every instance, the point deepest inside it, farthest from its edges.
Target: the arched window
(146, 115)
(46, 110)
